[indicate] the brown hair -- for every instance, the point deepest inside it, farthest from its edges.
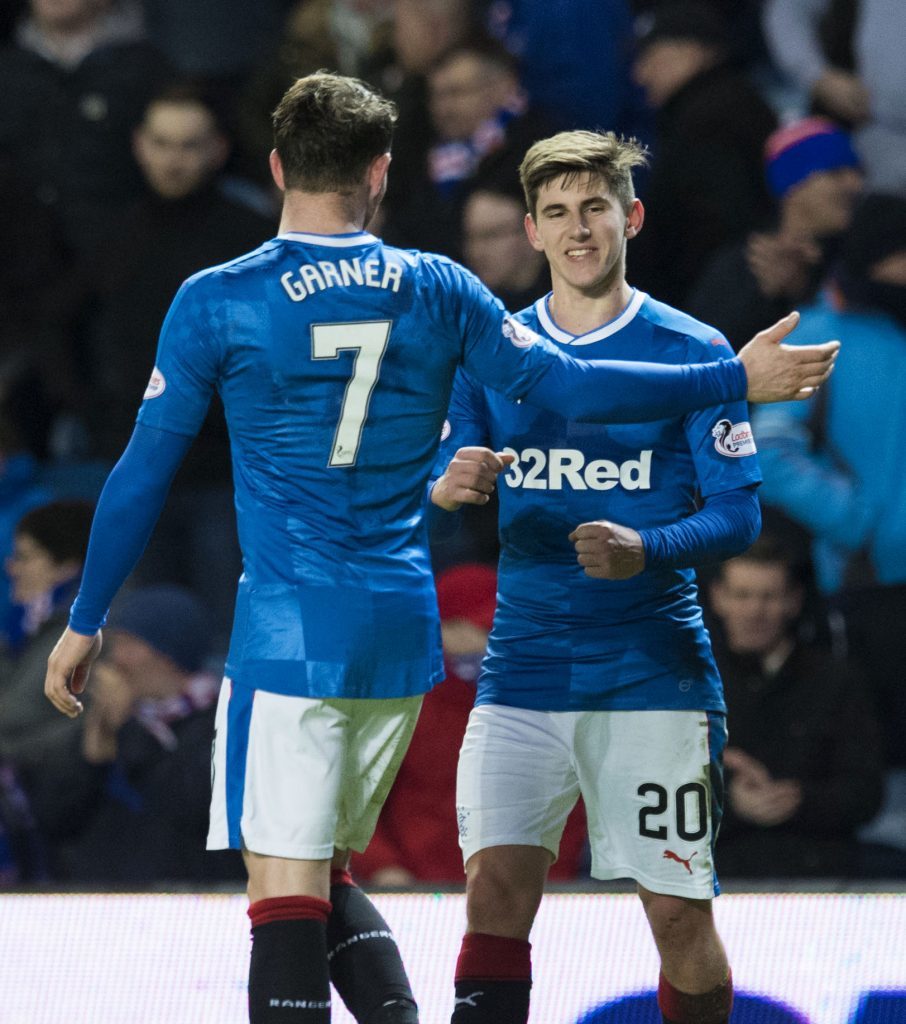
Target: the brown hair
(327, 130)
(601, 155)
(61, 528)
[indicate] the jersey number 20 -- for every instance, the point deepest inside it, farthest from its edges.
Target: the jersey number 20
(368, 339)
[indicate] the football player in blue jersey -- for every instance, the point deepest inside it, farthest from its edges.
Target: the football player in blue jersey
(599, 677)
(334, 357)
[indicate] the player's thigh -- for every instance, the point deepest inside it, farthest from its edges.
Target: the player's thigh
(278, 770)
(515, 783)
(652, 786)
(378, 738)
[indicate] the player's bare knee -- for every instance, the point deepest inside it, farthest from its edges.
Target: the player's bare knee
(676, 922)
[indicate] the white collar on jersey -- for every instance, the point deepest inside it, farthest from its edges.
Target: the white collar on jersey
(332, 241)
(605, 331)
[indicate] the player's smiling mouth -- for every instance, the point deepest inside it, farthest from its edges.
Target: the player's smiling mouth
(577, 253)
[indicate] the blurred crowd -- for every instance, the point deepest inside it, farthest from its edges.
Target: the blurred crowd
(133, 152)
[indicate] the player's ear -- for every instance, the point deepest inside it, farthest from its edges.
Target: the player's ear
(532, 231)
(277, 170)
(377, 174)
(635, 218)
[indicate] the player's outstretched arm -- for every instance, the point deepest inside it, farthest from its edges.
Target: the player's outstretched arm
(780, 373)
(67, 670)
(469, 479)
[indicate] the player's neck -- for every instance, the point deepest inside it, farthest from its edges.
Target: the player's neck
(320, 213)
(579, 312)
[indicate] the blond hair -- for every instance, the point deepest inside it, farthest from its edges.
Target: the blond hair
(571, 155)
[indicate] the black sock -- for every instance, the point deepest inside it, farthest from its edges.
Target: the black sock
(288, 979)
(493, 980)
(491, 1002)
(365, 964)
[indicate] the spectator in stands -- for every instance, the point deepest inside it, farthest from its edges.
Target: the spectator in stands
(481, 126)
(576, 59)
(32, 259)
(214, 41)
(74, 83)
(416, 836)
(45, 568)
(706, 185)
(497, 249)
(184, 223)
(803, 767)
(351, 36)
(125, 801)
(869, 95)
(835, 467)
(20, 490)
(815, 176)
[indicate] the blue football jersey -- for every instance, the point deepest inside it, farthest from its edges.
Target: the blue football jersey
(561, 640)
(334, 357)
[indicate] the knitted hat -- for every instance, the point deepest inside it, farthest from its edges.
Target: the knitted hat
(799, 149)
(169, 619)
(468, 591)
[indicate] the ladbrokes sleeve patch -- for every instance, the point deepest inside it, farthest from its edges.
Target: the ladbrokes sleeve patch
(157, 385)
(733, 439)
(520, 335)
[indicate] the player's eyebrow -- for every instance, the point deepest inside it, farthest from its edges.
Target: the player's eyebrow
(556, 207)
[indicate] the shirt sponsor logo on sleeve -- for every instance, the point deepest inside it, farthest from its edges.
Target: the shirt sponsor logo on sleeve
(733, 439)
(157, 385)
(520, 335)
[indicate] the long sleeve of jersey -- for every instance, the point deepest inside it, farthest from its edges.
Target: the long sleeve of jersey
(127, 511)
(617, 391)
(725, 526)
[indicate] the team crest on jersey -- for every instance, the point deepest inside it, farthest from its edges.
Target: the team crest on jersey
(445, 430)
(157, 385)
(733, 439)
(520, 335)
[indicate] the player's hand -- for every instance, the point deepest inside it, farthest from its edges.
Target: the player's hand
(470, 478)
(608, 551)
(778, 372)
(67, 670)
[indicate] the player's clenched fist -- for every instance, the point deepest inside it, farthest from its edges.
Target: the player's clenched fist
(608, 551)
(470, 478)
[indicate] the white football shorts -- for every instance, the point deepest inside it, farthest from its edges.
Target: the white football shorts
(297, 777)
(651, 782)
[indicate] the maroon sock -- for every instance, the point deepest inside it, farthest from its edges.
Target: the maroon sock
(288, 980)
(493, 980)
(339, 876)
(712, 1007)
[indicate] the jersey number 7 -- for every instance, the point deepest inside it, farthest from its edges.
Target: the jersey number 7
(368, 339)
